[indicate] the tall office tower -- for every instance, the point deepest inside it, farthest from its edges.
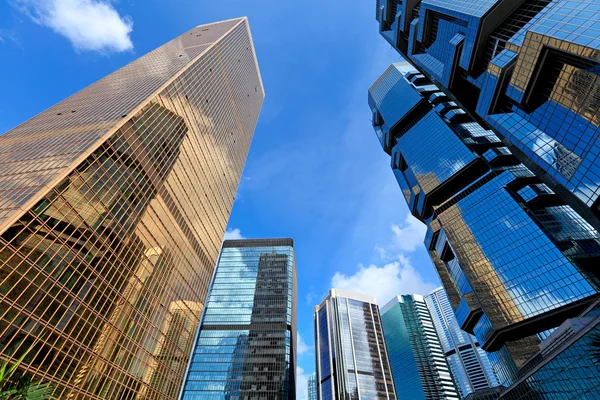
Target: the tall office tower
(469, 364)
(312, 387)
(246, 344)
(352, 360)
(418, 364)
(113, 207)
(528, 68)
(512, 255)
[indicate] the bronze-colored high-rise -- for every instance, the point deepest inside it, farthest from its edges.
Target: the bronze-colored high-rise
(113, 205)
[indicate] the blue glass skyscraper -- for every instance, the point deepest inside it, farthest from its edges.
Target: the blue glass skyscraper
(246, 344)
(312, 387)
(416, 356)
(513, 254)
(469, 364)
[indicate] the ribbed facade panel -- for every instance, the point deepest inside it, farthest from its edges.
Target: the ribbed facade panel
(418, 363)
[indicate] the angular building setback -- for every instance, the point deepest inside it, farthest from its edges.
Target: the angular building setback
(113, 205)
(416, 356)
(246, 344)
(528, 68)
(352, 359)
(512, 255)
(469, 364)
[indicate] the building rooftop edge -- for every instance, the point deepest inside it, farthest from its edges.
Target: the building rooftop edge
(258, 242)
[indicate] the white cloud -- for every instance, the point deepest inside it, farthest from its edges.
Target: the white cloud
(407, 237)
(233, 234)
(92, 25)
(301, 346)
(393, 279)
(410, 234)
(301, 384)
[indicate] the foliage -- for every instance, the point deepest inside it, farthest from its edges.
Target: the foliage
(15, 386)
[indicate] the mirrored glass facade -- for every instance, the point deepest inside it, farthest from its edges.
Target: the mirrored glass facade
(528, 68)
(567, 365)
(352, 359)
(470, 366)
(515, 258)
(246, 344)
(312, 387)
(420, 369)
(113, 205)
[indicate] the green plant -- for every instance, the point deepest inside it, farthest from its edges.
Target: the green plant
(19, 386)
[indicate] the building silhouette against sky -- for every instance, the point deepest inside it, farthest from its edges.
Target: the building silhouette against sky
(113, 205)
(246, 344)
(469, 364)
(351, 356)
(511, 253)
(419, 367)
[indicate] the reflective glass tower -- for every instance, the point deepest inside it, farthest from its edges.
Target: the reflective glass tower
(312, 387)
(528, 68)
(352, 360)
(513, 255)
(113, 205)
(416, 356)
(469, 364)
(246, 344)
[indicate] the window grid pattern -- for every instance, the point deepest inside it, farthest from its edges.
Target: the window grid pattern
(408, 317)
(355, 343)
(470, 366)
(107, 270)
(245, 349)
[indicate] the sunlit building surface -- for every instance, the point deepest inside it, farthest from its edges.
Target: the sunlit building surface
(113, 205)
(246, 344)
(470, 366)
(416, 355)
(513, 255)
(352, 359)
(528, 68)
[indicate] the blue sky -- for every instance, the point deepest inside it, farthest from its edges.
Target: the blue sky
(315, 171)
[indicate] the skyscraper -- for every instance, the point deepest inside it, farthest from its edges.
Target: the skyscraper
(528, 68)
(469, 364)
(352, 360)
(246, 344)
(511, 253)
(418, 363)
(312, 387)
(113, 205)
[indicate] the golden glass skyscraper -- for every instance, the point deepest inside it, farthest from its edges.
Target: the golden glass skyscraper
(113, 205)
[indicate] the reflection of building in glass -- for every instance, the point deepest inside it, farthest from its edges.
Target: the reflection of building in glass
(514, 258)
(245, 347)
(113, 204)
(352, 360)
(529, 68)
(469, 364)
(567, 365)
(416, 356)
(312, 387)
